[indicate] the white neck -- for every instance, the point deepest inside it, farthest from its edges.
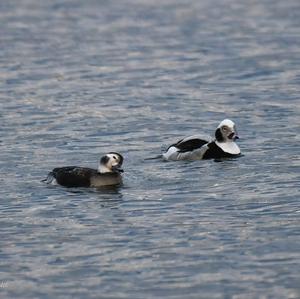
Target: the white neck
(229, 147)
(103, 169)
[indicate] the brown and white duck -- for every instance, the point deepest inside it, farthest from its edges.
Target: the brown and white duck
(107, 174)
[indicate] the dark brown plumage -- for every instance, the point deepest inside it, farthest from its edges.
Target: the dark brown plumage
(107, 174)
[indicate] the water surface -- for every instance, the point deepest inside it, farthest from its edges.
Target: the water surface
(81, 78)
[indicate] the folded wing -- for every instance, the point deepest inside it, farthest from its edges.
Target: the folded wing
(73, 176)
(192, 147)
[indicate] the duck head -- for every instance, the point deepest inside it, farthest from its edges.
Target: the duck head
(226, 131)
(111, 162)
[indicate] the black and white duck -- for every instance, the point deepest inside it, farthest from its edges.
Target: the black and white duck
(196, 147)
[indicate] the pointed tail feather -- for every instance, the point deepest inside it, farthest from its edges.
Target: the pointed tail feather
(155, 157)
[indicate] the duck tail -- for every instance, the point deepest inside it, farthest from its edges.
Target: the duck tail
(155, 157)
(49, 179)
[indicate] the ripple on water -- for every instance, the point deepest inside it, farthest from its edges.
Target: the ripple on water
(84, 78)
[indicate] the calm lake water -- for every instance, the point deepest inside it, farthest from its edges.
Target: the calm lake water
(81, 78)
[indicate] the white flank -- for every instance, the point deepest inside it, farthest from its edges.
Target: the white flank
(50, 179)
(54, 182)
(171, 154)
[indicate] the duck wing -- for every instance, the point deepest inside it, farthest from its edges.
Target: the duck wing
(73, 176)
(191, 143)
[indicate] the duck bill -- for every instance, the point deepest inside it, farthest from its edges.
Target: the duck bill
(117, 168)
(233, 136)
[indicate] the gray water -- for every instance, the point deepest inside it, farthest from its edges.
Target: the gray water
(81, 78)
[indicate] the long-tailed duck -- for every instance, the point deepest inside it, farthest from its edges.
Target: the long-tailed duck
(195, 147)
(107, 174)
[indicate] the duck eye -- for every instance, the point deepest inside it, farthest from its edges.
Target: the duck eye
(115, 157)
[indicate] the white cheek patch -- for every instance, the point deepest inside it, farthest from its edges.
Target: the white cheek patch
(114, 163)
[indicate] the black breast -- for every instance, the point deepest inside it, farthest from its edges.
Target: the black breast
(73, 176)
(189, 144)
(215, 152)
